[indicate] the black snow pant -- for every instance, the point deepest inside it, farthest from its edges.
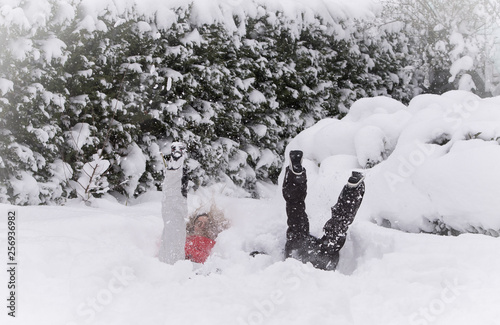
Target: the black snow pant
(322, 253)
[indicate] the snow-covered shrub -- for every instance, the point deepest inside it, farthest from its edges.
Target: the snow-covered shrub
(91, 180)
(122, 81)
(452, 44)
(371, 146)
(442, 175)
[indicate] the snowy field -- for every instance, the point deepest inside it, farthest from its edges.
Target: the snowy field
(96, 265)
(438, 171)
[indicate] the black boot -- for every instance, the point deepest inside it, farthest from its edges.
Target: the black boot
(355, 179)
(296, 161)
(177, 156)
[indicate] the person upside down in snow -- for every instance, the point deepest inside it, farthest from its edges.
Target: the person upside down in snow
(322, 253)
(179, 241)
(202, 230)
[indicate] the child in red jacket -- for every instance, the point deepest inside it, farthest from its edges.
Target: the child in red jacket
(202, 231)
(198, 242)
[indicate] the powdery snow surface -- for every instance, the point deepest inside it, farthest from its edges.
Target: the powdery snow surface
(97, 265)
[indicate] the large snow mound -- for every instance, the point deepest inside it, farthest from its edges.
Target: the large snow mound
(433, 166)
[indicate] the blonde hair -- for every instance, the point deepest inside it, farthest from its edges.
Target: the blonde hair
(216, 221)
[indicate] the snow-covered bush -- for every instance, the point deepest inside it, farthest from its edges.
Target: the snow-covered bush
(233, 80)
(452, 44)
(91, 181)
(440, 174)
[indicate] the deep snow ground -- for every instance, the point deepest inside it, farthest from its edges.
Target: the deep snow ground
(436, 161)
(97, 265)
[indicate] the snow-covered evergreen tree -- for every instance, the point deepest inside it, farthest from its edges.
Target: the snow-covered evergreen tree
(118, 83)
(453, 42)
(33, 100)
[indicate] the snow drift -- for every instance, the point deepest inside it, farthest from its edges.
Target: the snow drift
(432, 166)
